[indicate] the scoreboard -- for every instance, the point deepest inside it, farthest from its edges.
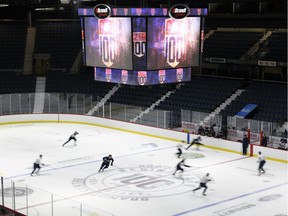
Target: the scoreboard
(142, 46)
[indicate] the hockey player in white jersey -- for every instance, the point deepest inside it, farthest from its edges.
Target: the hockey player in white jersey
(203, 183)
(261, 161)
(72, 137)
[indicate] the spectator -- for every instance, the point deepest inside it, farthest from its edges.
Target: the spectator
(264, 140)
(283, 144)
(245, 144)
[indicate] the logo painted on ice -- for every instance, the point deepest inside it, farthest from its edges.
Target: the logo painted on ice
(18, 192)
(137, 183)
(270, 197)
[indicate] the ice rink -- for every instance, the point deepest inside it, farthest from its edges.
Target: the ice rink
(139, 184)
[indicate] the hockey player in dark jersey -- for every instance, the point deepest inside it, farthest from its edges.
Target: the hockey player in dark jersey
(179, 151)
(180, 165)
(108, 160)
(195, 141)
(72, 137)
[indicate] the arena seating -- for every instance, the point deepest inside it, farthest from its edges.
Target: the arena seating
(142, 96)
(276, 47)
(229, 44)
(270, 97)
(61, 39)
(16, 83)
(196, 96)
(12, 44)
(82, 84)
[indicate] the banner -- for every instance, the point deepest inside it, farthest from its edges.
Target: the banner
(248, 109)
(267, 63)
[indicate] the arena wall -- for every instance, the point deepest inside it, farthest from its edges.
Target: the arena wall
(171, 135)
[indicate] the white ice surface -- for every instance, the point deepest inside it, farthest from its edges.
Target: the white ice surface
(139, 184)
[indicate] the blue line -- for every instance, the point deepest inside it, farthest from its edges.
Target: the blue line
(84, 163)
(227, 200)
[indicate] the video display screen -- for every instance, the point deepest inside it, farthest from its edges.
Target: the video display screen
(108, 42)
(172, 42)
(142, 77)
(139, 43)
(142, 46)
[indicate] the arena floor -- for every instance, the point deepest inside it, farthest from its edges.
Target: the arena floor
(139, 184)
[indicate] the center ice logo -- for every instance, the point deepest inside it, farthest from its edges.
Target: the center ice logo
(137, 183)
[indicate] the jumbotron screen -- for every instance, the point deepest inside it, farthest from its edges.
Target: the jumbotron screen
(108, 42)
(128, 42)
(173, 42)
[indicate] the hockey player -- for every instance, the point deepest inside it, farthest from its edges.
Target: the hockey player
(261, 161)
(203, 183)
(179, 149)
(106, 162)
(195, 141)
(37, 165)
(180, 165)
(72, 137)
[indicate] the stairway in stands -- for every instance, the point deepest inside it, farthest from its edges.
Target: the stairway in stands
(39, 95)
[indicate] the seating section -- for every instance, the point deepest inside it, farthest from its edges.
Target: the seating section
(82, 84)
(229, 45)
(12, 44)
(276, 47)
(61, 39)
(142, 96)
(196, 95)
(271, 99)
(10, 82)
